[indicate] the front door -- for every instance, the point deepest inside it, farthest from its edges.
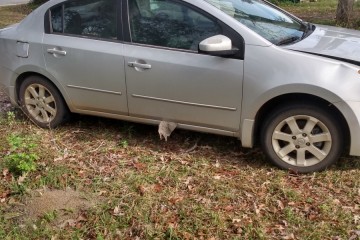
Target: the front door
(82, 51)
(167, 79)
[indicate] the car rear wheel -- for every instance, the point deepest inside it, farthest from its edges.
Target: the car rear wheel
(42, 102)
(303, 138)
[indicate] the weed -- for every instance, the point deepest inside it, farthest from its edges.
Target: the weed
(124, 143)
(50, 216)
(22, 158)
(10, 117)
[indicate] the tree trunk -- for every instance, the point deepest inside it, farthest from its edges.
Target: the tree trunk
(344, 11)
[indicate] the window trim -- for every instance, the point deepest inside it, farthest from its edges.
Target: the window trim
(231, 33)
(48, 26)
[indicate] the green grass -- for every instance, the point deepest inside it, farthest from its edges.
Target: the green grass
(149, 189)
(153, 190)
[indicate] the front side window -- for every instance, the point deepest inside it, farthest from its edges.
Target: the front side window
(92, 18)
(264, 19)
(168, 23)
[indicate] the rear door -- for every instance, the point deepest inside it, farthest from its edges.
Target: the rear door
(83, 52)
(167, 79)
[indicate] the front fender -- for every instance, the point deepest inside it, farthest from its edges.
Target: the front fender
(251, 109)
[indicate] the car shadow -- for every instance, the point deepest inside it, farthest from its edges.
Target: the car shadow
(215, 147)
(224, 149)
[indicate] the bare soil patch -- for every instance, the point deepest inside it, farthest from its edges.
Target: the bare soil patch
(61, 207)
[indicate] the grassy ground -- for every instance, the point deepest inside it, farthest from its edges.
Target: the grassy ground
(13, 14)
(143, 188)
(148, 189)
(321, 11)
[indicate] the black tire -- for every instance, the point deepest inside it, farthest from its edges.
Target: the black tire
(300, 149)
(36, 102)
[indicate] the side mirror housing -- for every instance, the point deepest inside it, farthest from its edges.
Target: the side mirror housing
(218, 45)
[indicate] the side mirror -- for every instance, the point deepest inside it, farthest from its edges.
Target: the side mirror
(218, 45)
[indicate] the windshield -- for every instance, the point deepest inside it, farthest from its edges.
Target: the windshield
(269, 22)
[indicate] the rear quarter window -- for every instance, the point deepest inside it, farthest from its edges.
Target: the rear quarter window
(91, 18)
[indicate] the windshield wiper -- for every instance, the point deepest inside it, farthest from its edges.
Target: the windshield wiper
(288, 40)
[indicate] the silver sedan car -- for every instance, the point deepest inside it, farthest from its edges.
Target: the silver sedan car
(241, 68)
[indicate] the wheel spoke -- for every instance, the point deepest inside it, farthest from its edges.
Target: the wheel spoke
(310, 124)
(30, 101)
(45, 115)
(322, 137)
(41, 91)
(282, 136)
(300, 157)
(34, 112)
(50, 110)
(49, 99)
(33, 92)
(320, 155)
(291, 122)
(286, 150)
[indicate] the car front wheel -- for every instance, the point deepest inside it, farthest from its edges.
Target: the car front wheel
(303, 138)
(42, 102)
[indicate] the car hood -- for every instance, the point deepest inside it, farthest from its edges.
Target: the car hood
(334, 42)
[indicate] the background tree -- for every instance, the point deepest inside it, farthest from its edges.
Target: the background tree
(344, 11)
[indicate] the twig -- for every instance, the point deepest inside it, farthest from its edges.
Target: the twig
(193, 147)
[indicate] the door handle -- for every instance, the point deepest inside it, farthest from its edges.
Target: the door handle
(139, 65)
(56, 51)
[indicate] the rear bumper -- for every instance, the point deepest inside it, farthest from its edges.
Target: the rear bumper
(6, 83)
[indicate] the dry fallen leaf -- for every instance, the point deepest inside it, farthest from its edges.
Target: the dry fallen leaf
(356, 219)
(81, 218)
(158, 188)
(289, 237)
(175, 200)
(280, 204)
(117, 211)
(236, 220)
(229, 208)
(21, 179)
(217, 177)
(6, 172)
(141, 190)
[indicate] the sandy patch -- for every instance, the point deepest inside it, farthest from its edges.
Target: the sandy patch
(66, 207)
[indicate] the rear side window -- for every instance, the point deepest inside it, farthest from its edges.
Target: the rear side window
(56, 19)
(91, 18)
